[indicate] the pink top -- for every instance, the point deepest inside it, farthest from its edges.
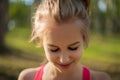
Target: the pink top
(86, 73)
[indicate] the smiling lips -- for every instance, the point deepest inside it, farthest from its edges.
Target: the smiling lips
(66, 66)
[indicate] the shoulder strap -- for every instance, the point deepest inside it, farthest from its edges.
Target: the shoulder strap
(86, 73)
(39, 74)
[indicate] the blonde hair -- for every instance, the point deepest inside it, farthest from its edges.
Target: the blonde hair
(61, 11)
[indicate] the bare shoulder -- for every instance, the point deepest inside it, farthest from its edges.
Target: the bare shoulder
(96, 75)
(28, 74)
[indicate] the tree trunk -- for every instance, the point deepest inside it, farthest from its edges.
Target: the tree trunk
(3, 22)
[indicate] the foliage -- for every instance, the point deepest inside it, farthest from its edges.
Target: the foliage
(105, 21)
(20, 13)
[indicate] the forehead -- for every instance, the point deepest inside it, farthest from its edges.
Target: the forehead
(65, 33)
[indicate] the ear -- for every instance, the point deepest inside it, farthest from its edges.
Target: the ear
(86, 3)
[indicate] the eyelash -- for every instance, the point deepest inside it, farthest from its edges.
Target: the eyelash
(72, 49)
(55, 50)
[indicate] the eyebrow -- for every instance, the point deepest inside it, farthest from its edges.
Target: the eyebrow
(77, 42)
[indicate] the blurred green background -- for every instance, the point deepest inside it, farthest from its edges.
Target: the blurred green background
(16, 53)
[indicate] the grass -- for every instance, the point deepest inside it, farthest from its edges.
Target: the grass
(106, 48)
(103, 54)
(21, 38)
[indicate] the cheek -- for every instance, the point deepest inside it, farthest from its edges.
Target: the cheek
(77, 56)
(51, 57)
(46, 52)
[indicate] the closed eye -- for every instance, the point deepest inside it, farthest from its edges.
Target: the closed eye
(54, 50)
(72, 49)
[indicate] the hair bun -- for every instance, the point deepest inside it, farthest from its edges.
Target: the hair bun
(86, 3)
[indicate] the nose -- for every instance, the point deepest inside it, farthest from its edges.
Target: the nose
(64, 58)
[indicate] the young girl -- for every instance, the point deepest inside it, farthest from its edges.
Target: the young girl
(61, 27)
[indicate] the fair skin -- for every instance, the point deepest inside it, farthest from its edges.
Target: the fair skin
(63, 45)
